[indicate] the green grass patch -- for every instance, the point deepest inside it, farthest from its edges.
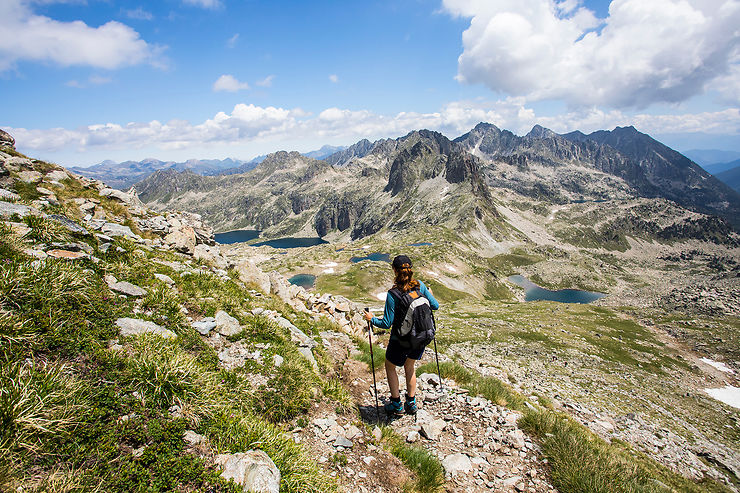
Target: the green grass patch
(378, 355)
(428, 471)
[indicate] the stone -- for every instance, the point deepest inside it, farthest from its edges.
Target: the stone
(277, 360)
(306, 353)
(183, 240)
(192, 438)
(205, 326)
(457, 463)
(68, 224)
(44, 191)
(515, 438)
(66, 254)
(226, 325)
(165, 279)
(254, 471)
(6, 140)
(343, 442)
(127, 288)
(412, 436)
(113, 229)
(377, 433)
(433, 429)
(210, 254)
(8, 195)
(125, 197)
(251, 274)
(429, 379)
(352, 432)
(135, 326)
(29, 176)
(56, 175)
(508, 483)
(8, 209)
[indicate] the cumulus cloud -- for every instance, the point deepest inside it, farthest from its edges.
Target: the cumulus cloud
(334, 78)
(26, 36)
(250, 124)
(229, 83)
(643, 52)
(266, 82)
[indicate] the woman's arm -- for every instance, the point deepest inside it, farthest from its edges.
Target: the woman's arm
(428, 295)
(388, 312)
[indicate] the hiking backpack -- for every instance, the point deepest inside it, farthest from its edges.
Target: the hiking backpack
(413, 321)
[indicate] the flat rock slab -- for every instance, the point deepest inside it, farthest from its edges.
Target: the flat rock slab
(29, 176)
(135, 326)
(113, 229)
(66, 254)
(56, 175)
(8, 195)
(8, 209)
(127, 288)
(254, 471)
(68, 224)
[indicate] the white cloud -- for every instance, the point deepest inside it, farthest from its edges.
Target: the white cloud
(231, 42)
(334, 78)
(206, 4)
(138, 14)
(643, 52)
(229, 83)
(266, 82)
(95, 80)
(26, 36)
(252, 125)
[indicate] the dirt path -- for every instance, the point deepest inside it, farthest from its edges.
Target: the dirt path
(478, 443)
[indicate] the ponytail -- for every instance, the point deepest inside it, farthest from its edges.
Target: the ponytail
(405, 279)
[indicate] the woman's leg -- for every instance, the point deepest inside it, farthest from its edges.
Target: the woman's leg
(410, 377)
(390, 371)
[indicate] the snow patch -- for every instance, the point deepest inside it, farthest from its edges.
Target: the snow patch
(728, 394)
(718, 365)
(328, 271)
(451, 268)
(330, 264)
(382, 296)
(366, 247)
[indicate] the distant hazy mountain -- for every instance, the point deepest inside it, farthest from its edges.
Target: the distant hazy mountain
(718, 168)
(704, 157)
(731, 177)
(325, 151)
(124, 175)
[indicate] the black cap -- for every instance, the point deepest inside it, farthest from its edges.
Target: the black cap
(400, 261)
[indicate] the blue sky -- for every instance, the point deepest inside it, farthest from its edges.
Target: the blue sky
(84, 81)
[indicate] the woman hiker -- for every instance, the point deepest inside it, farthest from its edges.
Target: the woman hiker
(398, 353)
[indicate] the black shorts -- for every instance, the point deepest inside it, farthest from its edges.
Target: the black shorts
(397, 354)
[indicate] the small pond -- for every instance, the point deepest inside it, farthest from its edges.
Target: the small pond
(375, 257)
(304, 280)
(292, 242)
(533, 292)
(423, 243)
(238, 236)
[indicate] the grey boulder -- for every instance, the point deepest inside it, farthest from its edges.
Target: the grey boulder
(254, 471)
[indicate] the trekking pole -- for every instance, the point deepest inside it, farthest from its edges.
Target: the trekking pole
(372, 363)
(436, 355)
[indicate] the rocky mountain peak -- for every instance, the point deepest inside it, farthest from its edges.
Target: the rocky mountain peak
(540, 132)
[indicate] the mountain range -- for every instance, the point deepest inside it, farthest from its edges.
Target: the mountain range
(424, 178)
(125, 174)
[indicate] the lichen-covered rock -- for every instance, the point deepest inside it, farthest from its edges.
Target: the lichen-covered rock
(183, 239)
(6, 140)
(253, 470)
(250, 274)
(226, 325)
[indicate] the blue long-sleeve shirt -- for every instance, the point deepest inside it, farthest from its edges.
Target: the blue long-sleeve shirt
(390, 307)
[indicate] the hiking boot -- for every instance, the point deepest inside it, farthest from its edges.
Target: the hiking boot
(410, 405)
(393, 407)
